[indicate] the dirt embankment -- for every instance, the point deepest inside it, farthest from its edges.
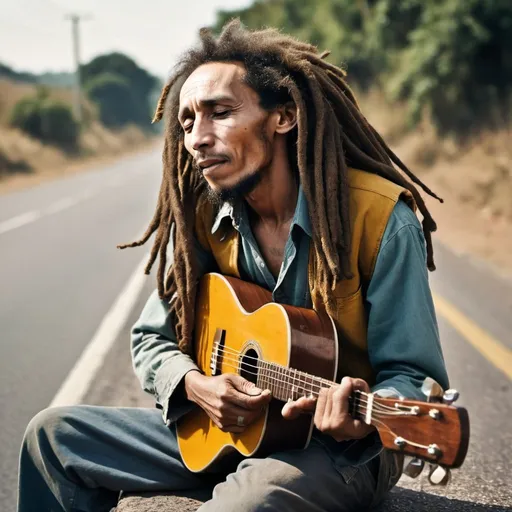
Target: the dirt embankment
(474, 178)
(25, 161)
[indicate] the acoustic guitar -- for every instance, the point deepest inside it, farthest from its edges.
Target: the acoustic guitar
(293, 352)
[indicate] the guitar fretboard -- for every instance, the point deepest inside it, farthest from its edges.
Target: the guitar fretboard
(288, 383)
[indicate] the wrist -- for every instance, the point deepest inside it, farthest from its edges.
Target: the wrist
(191, 380)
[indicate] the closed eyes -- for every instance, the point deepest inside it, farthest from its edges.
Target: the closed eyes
(220, 114)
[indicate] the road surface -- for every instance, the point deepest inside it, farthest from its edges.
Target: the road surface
(60, 274)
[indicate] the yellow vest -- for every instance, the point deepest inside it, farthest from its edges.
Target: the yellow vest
(372, 200)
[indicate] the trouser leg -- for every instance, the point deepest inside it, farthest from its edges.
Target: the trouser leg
(303, 481)
(79, 458)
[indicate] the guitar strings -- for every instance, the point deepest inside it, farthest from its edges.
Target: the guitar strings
(378, 410)
(376, 416)
(306, 384)
(360, 405)
(233, 352)
(309, 386)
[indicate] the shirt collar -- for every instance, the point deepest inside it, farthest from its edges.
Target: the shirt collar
(236, 213)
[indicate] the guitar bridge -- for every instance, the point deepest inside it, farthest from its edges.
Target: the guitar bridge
(217, 350)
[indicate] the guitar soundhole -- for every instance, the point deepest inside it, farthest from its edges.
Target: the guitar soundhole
(249, 365)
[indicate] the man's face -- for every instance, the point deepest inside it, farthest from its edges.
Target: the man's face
(226, 131)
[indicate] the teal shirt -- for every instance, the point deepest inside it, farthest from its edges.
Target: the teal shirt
(403, 338)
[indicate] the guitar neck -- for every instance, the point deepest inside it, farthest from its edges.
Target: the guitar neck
(288, 383)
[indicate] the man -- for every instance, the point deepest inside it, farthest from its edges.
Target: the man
(272, 174)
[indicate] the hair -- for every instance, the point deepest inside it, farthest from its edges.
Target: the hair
(331, 135)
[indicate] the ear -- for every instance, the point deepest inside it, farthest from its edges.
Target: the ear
(286, 117)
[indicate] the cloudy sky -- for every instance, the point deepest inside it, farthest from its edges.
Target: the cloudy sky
(35, 35)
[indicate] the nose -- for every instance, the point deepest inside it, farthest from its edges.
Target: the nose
(201, 136)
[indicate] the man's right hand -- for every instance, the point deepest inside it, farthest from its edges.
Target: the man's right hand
(226, 398)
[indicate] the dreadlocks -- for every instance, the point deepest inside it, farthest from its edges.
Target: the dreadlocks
(331, 135)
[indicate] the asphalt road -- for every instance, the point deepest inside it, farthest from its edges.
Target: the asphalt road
(60, 273)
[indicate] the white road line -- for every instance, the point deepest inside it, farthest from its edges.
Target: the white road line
(62, 204)
(20, 220)
(79, 380)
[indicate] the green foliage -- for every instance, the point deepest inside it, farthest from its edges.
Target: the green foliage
(452, 58)
(117, 103)
(46, 119)
(458, 63)
(121, 89)
(336, 25)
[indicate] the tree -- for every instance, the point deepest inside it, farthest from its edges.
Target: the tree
(452, 58)
(117, 103)
(108, 75)
(458, 64)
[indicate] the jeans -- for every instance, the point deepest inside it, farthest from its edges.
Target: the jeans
(79, 458)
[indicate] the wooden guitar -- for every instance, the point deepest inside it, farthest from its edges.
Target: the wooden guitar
(294, 352)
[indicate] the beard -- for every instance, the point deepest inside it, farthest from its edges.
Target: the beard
(232, 194)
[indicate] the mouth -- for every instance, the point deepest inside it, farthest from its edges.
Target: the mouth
(210, 166)
(210, 163)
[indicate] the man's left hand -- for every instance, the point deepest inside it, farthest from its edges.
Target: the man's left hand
(331, 414)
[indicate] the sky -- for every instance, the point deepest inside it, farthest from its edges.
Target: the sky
(35, 35)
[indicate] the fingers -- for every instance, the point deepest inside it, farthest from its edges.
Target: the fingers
(320, 406)
(340, 397)
(293, 409)
(227, 427)
(245, 394)
(236, 397)
(360, 384)
(243, 385)
(231, 418)
(229, 414)
(332, 415)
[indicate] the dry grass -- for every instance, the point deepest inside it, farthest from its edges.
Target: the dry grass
(474, 178)
(25, 161)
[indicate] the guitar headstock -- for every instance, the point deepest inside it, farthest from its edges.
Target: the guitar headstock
(435, 432)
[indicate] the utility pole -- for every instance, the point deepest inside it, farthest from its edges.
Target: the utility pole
(77, 89)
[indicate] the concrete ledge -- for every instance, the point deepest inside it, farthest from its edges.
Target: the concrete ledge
(399, 500)
(163, 502)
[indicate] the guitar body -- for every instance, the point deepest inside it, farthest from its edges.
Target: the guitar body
(236, 326)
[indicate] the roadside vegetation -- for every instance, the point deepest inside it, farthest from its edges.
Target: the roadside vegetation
(434, 77)
(39, 131)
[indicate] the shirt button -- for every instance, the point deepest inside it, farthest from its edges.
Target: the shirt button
(262, 264)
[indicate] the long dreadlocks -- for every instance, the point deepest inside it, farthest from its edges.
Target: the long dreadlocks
(332, 134)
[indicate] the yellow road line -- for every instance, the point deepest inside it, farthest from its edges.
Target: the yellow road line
(494, 351)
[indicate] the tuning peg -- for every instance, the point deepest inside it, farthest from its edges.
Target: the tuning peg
(439, 475)
(432, 390)
(450, 396)
(414, 467)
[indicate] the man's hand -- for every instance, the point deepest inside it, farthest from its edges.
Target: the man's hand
(231, 401)
(331, 410)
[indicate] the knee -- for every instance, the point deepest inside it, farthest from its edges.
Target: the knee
(260, 484)
(47, 429)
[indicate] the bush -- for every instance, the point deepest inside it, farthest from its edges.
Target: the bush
(46, 119)
(117, 103)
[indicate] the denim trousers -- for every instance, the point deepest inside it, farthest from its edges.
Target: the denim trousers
(79, 458)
